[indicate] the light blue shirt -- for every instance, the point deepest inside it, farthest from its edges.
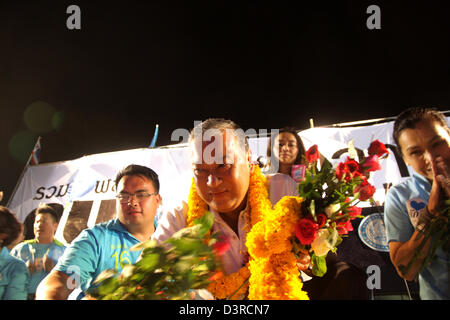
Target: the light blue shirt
(403, 203)
(14, 277)
(31, 250)
(105, 246)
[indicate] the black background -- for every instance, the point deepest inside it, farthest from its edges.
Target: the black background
(262, 64)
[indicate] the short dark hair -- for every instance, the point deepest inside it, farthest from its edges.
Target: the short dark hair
(300, 145)
(134, 170)
(45, 208)
(9, 225)
(409, 118)
(222, 125)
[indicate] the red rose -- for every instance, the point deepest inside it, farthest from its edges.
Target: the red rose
(321, 219)
(344, 227)
(377, 148)
(352, 165)
(341, 171)
(357, 174)
(222, 246)
(354, 211)
(306, 231)
(365, 190)
(348, 169)
(371, 163)
(312, 154)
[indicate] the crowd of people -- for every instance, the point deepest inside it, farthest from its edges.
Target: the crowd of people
(43, 268)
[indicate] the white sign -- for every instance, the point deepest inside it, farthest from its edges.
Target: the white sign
(84, 188)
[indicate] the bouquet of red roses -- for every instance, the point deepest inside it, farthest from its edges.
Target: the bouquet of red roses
(330, 198)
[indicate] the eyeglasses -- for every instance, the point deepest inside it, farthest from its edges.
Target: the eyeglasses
(139, 196)
(219, 171)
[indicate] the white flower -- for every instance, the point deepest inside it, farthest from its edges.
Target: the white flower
(332, 208)
(324, 242)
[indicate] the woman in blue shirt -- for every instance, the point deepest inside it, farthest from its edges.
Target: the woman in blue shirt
(14, 274)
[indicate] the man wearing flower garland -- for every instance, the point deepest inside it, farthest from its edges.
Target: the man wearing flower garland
(226, 182)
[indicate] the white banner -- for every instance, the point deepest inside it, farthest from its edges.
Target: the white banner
(83, 190)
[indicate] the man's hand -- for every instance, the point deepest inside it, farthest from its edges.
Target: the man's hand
(303, 260)
(34, 265)
(47, 263)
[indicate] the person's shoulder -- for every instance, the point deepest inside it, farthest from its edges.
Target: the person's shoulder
(58, 243)
(280, 178)
(104, 226)
(17, 263)
(97, 231)
(19, 247)
(401, 189)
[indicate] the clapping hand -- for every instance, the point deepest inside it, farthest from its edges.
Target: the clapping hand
(442, 175)
(440, 188)
(47, 263)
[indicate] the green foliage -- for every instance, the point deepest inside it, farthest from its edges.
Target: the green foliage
(165, 271)
(321, 188)
(319, 265)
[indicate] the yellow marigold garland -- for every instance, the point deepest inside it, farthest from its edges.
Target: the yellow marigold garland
(272, 270)
(274, 273)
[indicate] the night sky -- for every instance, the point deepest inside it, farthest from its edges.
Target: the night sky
(262, 64)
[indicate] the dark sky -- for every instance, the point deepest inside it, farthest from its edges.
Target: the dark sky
(263, 64)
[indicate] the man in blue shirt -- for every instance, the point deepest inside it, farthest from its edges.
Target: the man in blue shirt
(42, 253)
(423, 137)
(107, 245)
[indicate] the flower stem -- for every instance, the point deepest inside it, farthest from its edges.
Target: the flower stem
(243, 283)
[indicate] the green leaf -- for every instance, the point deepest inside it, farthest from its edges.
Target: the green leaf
(191, 232)
(312, 209)
(206, 222)
(144, 245)
(187, 245)
(149, 262)
(108, 286)
(319, 265)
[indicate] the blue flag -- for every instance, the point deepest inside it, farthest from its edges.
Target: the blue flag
(155, 136)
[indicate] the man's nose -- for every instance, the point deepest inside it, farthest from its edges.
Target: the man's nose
(213, 181)
(132, 201)
(428, 156)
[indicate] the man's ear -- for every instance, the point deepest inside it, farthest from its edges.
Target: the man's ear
(159, 199)
(250, 161)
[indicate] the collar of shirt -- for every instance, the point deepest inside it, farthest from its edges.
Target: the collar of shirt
(421, 180)
(116, 225)
(237, 256)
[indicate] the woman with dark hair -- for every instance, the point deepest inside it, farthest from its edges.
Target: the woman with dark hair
(287, 161)
(286, 150)
(423, 138)
(14, 276)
